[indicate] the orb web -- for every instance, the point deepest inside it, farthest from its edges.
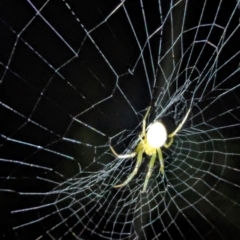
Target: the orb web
(77, 77)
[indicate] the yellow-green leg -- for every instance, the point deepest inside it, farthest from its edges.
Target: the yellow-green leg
(134, 172)
(144, 123)
(160, 157)
(149, 173)
(167, 145)
(180, 125)
(173, 134)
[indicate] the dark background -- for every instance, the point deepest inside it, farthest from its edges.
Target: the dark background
(52, 73)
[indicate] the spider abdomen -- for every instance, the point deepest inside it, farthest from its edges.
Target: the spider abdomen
(156, 135)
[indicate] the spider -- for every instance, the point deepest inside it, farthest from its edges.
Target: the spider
(150, 143)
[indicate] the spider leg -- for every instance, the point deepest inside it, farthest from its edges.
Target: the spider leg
(144, 123)
(160, 157)
(141, 136)
(149, 173)
(180, 125)
(167, 145)
(130, 155)
(171, 136)
(134, 172)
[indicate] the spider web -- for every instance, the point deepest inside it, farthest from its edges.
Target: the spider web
(77, 77)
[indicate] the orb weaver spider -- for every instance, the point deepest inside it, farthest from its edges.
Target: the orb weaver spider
(150, 144)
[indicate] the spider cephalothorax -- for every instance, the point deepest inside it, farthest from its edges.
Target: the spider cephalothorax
(150, 143)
